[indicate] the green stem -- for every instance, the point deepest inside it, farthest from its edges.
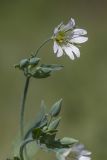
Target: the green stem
(24, 146)
(25, 95)
(23, 107)
(42, 46)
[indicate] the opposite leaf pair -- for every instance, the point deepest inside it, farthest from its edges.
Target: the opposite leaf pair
(31, 69)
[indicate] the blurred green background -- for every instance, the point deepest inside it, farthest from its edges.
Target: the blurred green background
(24, 25)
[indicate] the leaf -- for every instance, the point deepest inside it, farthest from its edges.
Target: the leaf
(24, 63)
(40, 121)
(52, 67)
(41, 72)
(32, 149)
(45, 70)
(34, 61)
(54, 124)
(42, 113)
(56, 108)
(68, 141)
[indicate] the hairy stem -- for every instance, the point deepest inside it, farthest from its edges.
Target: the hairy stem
(23, 107)
(24, 100)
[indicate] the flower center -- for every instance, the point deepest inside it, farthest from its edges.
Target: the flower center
(60, 37)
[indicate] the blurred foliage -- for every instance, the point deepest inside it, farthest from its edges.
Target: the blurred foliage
(24, 25)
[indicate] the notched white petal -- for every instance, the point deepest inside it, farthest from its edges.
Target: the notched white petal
(84, 158)
(79, 40)
(55, 47)
(69, 25)
(59, 52)
(86, 153)
(72, 22)
(76, 152)
(79, 31)
(68, 51)
(56, 30)
(75, 50)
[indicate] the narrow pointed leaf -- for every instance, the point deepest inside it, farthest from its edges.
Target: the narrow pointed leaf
(36, 133)
(52, 67)
(40, 121)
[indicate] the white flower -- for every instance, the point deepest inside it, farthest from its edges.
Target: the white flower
(76, 152)
(66, 37)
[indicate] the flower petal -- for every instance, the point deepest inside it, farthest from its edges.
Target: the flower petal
(56, 30)
(85, 153)
(78, 148)
(69, 25)
(84, 158)
(66, 152)
(69, 52)
(75, 50)
(55, 47)
(79, 39)
(59, 52)
(79, 31)
(59, 156)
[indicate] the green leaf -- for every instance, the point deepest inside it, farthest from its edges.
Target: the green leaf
(34, 61)
(52, 67)
(45, 70)
(40, 121)
(41, 72)
(42, 113)
(54, 124)
(68, 141)
(56, 108)
(24, 63)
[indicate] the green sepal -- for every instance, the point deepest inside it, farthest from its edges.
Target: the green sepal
(16, 158)
(68, 141)
(36, 133)
(47, 139)
(56, 108)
